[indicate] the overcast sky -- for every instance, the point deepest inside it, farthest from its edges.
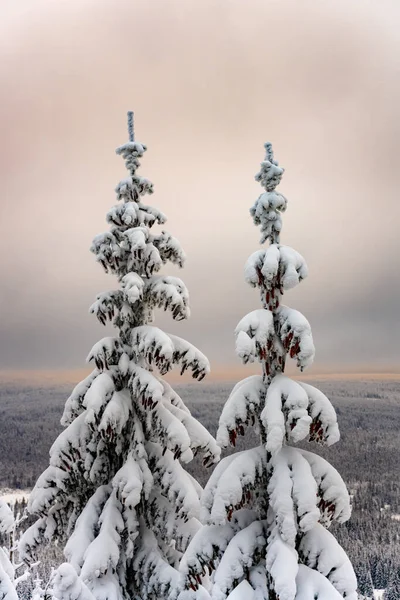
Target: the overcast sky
(209, 82)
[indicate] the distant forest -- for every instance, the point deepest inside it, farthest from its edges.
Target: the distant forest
(367, 457)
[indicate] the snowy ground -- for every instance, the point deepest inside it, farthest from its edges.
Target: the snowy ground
(12, 495)
(378, 594)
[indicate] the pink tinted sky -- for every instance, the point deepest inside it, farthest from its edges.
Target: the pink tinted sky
(209, 82)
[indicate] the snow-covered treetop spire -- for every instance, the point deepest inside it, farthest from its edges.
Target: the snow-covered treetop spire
(268, 208)
(131, 129)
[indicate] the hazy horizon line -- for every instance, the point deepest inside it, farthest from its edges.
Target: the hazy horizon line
(222, 373)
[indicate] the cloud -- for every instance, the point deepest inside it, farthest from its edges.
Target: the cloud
(209, 83)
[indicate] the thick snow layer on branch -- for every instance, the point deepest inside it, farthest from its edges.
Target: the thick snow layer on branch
(266, 212)
(68, 586)
(324, 427)
(128, 483)
(242, 551)
(6, 518)
(292, 494)
(154, 346)
(105, 352)
(199, 437)
(311, 584)
(175, 483)
(282, 565)
(209, 544)
(275, 268)
(144, 386)
(295, 334)
(169, 293)
(133, 286)
(86, 527)
(30, 539)
(103, 552)
(174, 433)
(154, 575)
(97, 396)
(169, 248)
(46, 489)
(335, 500)
(7, 589)
(116, 414)
(285, 413)
(74, 404)
(254, 335)
(319, 550)
(241, 406)
(243, 591)
(231, 487)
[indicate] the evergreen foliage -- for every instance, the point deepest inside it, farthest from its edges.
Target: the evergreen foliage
(267, 510)
(116, 490)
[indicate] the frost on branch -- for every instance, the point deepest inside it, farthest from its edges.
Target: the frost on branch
(295, 333)
(116, 494)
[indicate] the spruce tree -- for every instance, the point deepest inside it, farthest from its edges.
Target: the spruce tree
(115, 490)
(393, 590)
(267, 509)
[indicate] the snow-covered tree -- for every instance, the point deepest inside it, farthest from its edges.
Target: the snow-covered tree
(116, 489)
(267, 510)
(9, 578)
(393, 590)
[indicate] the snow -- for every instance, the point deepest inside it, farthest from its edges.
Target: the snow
(311, 584)
(233, 477)
(295, 334)
(243, 591)
(277, 267)
(320, 550)
(281, 564)
(11, 496)
(285, 413)
(6, 517)
(238, 558)
(254, 335)
(241, 405)
(68, 586)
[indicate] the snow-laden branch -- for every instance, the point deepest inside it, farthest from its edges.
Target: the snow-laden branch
(240, 408)
(274, 270)
(231, 485)
(334, 497)
(285, 414)
(245, 549)
(319, 550)
(295, 333)
(254, 335)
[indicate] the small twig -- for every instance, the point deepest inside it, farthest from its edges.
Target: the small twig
(130, 126)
